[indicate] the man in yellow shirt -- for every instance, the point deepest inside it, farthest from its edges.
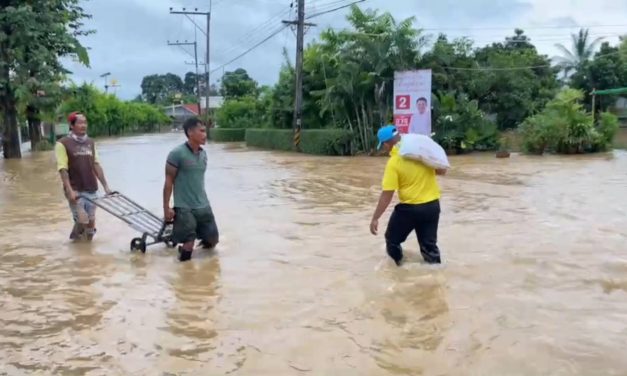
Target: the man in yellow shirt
(419, 196)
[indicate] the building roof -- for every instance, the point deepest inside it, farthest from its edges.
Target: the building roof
(192, 107)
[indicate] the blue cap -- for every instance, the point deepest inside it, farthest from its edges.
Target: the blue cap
(385, 134)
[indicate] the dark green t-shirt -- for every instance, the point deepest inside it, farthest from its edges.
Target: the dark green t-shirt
(189, 185)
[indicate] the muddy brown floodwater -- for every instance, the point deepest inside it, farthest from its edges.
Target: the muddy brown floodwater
(534, 281)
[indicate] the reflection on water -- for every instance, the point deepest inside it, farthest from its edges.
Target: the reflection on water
(534, 281)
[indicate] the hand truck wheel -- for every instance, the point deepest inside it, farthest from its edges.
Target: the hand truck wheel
(138, 244)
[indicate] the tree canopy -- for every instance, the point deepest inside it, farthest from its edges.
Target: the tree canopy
(34, 35)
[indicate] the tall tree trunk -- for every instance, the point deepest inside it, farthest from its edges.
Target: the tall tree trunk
(34, 126)
(359, 126)
(11, 147)
(367, 122)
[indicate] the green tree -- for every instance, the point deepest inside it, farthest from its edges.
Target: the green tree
(607, 70)
(281, 107)
(516, 81)
(357, 68)
(564, 126)
(581, 51)
(238, 84)
(33, 36)
(161, 89)
(107, 115)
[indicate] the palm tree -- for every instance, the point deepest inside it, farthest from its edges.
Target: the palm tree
(581, 51)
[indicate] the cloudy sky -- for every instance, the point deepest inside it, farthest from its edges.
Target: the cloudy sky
(131, 35)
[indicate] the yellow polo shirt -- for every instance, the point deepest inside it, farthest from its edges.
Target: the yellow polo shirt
(415, 182)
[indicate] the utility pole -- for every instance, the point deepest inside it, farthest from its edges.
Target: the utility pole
(207, 56)
(186, 43)
(300, 34)
(298, 97)
(106, 86)
(207, 66)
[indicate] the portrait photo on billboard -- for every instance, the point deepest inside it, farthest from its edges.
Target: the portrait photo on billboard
(412, 101)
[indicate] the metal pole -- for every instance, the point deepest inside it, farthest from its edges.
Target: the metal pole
(298, 102)
(208, 66)
(197, 80)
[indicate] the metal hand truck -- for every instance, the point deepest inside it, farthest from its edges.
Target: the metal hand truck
(137, 217)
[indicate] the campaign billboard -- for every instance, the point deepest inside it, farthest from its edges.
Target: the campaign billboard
(412, 101)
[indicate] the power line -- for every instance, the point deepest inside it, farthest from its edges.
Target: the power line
(314, 4)
(250, 49)
(195, 24)
(256, 31)
(333, 10)
(522, 28)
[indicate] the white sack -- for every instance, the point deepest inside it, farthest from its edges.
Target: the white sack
(423, 148)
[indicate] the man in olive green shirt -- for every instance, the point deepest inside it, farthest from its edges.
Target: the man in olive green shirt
(185, 174)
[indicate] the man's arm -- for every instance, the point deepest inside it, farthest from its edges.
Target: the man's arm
(384, 201)
(62, 167)
(100, 172)
(388, 186)
(101, 177)
(170, 175)
(440, 171)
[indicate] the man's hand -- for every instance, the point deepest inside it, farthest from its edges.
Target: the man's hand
(384, 200)
(374, 226)
(440, 171)
(108, 191)
(72, 196)
(168, 214)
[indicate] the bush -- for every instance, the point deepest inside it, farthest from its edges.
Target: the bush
(313, 141)
(43, 145)
(227, 135)
(536, 134)
(462, 127)
(565, 127)
(240, 113)
(607, 128)
(275, 139)
(327, 142)
(108, 115)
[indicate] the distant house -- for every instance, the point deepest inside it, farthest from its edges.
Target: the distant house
(180, 112)
(215, 102)
(620, 109)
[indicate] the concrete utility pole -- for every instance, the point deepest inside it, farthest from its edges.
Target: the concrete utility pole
(177, 43)
(207, 55)
(300, 34)
(298, 97)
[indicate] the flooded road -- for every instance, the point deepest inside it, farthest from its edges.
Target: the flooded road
(534, 281)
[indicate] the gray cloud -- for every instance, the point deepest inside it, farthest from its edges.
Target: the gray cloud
(131, 34)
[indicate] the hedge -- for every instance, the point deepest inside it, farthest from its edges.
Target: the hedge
(227, 134)
(313, 141)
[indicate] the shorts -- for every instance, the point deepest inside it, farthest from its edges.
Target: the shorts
(84, 211)
(192, 224)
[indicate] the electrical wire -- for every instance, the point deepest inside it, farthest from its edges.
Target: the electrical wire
(256, 31)
(523, 28)
(251, 48)
(321, 13)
